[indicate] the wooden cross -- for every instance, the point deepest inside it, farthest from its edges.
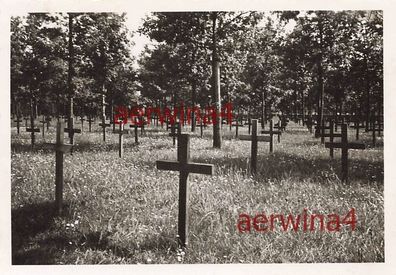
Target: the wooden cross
(121, 133)
(173, 132)
(32, 130)
(332, 135)
(309, 123)
(71, 130)
(202, 125)
(345, 146)
(278, 126)
(43, 121)
(271, 132)
(254, 138)
(320, 131)
(104, 125)
(90, 120)
(374, 129)
(48, 121)
(249, 123)
(357, 126)
(18, 120)
(185, 167)
(82, 123)
(60, 149)
(26, 121)
(236, 125)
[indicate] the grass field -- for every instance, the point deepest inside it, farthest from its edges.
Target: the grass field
(124, 211)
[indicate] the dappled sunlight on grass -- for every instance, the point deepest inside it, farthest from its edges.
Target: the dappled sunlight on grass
(127, 209)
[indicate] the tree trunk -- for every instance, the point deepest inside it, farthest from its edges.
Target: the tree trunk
(193, 102)
(216, 86)
(70, 74)
(367, 94)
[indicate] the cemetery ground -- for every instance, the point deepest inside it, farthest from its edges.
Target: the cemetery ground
(124, 210)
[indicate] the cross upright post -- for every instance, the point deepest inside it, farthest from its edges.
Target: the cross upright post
(104, 125)
(184, 166)
(48, 121)
(43, 121)
(71, 130)
(60, 149)
(344, 145)
(121, 133)
(332, 135)
(254, 138)
(18, 121)
(32, 130)
(173, 132)
(271, 132)
(82, 119)
(90, 120)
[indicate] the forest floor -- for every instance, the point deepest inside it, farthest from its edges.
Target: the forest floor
(124, 211)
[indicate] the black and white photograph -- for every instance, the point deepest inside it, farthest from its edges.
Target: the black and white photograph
(177, 137)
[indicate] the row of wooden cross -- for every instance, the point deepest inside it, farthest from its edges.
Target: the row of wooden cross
(185, 167)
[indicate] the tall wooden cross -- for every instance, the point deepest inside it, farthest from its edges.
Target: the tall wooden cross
(60, 149)
(254, 138)
(71, 130)
(271, 132)
(104, 125)
(185, 167)
(345, 146)
(121, 133)
(32, 130)
(18, 121)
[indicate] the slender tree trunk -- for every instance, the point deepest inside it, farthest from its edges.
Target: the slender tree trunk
(193, 102)
(70, 74)
(216, 85)
(263, 109)
(320, 76)
(367, 94)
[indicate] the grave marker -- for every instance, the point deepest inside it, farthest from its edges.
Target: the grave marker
(90, 120)
(332, 135)
(185, 167)
(82, 119)
(71, 130)
(60, 149)
(43, 121)
(173, 132)
(32, 130)
(121, 133)
(104, 125)
(271, 132)
(345, 146)
(18, 121)
(48, 121)
(254, 138)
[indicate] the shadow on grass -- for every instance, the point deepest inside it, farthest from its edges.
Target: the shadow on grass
(279, 165)
(27, 222)
(102, 241)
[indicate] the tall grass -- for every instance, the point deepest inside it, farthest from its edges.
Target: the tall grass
(125, 210)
